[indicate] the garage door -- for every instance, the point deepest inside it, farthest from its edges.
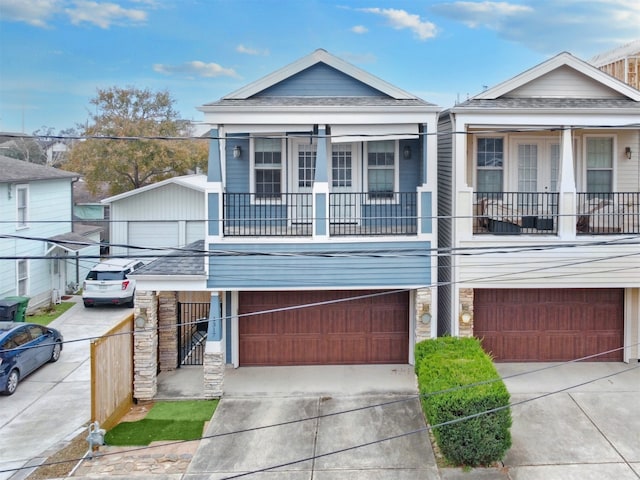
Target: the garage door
(549, 325)
(368, 330)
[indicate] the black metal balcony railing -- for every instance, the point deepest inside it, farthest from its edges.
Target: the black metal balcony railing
(533, 213)
(250, 214)
(363, 213)
(291, 214)
(608, 213)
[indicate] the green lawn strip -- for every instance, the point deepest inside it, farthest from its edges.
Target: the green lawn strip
(179, 420)
(45, 317)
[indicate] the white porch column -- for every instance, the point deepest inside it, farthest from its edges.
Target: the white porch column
(321, 186)
(567, 200)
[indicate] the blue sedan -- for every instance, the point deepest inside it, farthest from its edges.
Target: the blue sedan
(25, 347)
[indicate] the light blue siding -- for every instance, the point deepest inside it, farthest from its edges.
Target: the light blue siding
(214, 213)
(320, 80)
(427, 212)
(214, 168)
(325, 265)
(238, 169)
(321, 214)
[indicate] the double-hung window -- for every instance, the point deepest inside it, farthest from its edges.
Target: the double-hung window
(268, 168)
(22, 206)
(599, 164)
(22, 277)
(381, 168)
(489, 164)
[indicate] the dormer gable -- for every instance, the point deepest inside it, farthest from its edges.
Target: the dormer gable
(320, 64)
(563, 76)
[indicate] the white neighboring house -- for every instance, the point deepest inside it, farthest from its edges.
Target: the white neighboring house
(42, 251)
(152, 220)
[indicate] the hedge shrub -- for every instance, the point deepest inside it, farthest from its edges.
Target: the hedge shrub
(443, 365)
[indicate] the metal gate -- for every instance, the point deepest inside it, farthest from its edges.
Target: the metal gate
(193, 321)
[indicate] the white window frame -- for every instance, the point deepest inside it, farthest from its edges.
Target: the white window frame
(614, 163)
(506, 171)
(396, 174)
(252, 171)
(24, 279)
(19, 223)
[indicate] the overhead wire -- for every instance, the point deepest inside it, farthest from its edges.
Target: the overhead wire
(361, 408)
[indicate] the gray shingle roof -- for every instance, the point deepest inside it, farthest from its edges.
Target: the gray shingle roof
(551, 103)
(322, 102)
(183, 261)
(20, 171)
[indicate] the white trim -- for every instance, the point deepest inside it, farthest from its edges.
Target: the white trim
(614, 160)
(365, 172)
(27, 278)
(22, 187)
(554, 63)
(318, 56)
(235, 330)
(196, 182)
(252, 170)
(370, 133)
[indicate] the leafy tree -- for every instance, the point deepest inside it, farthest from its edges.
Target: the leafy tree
(141, 141)
(23, 148)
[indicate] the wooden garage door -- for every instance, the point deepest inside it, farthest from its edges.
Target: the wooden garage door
(549, 325)
(368, 330)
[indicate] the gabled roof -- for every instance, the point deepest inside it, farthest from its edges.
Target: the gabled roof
(318, 56)
(14, 170)
(195, 182)
(554, 63)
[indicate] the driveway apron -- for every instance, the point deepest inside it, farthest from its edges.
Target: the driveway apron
(315, 437)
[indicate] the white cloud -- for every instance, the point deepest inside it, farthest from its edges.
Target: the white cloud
(196, 68)
(33, 12)
(103, 14)
(549, 26)
(401, 19)
(251, 51)
(359, 29)
(489, 14)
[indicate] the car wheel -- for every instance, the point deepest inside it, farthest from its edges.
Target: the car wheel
(130, 304)
(55, 353)
(12, 382)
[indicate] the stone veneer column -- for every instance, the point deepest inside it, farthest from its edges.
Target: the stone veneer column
(423, 306)
(213, 370)
(145, 346)
(466, 305)
(168, 330)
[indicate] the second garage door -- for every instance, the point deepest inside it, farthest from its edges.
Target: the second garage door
(549, 325)
(367, 330)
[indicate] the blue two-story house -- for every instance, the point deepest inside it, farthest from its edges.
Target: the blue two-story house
(320, 207)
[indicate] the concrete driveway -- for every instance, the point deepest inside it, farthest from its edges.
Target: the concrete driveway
(356, 412)
(588, 432)
(53, 404)
(591, 431)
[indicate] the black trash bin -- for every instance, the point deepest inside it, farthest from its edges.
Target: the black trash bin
(23, 303)
(8, 310)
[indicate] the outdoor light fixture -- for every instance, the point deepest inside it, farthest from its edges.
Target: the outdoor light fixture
(141, 318)
(425, 318)
(465, 317)
(627, 152)
(237, 151)
(406, 152)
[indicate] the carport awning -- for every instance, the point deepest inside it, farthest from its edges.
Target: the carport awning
(70, 241)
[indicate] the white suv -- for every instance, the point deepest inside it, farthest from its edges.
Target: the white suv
(107, 283)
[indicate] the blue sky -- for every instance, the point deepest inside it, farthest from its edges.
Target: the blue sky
(55, 54)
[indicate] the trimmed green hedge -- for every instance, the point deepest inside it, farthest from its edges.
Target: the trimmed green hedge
(443, 365)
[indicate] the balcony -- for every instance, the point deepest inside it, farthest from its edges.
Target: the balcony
(608, 213)
(537, 213)
(534, 213)
(291, 214)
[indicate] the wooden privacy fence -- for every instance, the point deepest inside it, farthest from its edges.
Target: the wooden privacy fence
(112, 374)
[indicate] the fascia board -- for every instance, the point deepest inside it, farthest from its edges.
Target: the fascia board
(547, 120)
